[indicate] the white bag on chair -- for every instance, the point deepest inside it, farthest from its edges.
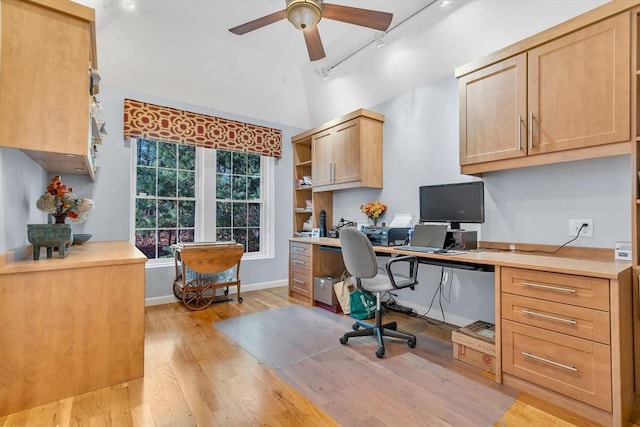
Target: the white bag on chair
(343, 289)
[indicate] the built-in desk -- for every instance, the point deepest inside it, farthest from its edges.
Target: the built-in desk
(563, 325)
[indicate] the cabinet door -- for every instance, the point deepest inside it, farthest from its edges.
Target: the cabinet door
(346, 152)
(579, 88)
(44, 89)
(493, 106)
(322, 144)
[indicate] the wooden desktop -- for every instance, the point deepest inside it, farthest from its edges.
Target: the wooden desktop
(563, 323)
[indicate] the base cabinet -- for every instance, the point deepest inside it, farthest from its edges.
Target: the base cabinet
(306, 261)
(72, 325)
(568, 336)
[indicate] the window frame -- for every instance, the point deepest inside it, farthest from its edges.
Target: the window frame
(206, 203)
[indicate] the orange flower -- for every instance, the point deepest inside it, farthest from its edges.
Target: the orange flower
(373, 209)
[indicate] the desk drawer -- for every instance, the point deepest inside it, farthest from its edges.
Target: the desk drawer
(567, 319)
(301, 282)
(577, 368)
(301, 249)
(300, 262)
(563, 288)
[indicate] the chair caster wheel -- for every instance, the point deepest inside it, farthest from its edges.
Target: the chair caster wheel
(411, 343)
(343, 340)
(355, 326)
(380, 352)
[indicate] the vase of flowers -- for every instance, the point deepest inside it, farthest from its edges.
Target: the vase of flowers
(62, 202)
(373, 210)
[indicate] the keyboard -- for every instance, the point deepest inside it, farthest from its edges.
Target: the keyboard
(426, 249)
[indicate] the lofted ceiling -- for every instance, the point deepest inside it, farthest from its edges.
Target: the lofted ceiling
(181, 50)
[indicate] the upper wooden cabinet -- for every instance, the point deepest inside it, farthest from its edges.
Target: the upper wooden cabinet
(47, 49)
(558, 100)
(347, 152)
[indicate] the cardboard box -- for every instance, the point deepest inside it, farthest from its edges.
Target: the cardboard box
(475, 344)
(475, 358)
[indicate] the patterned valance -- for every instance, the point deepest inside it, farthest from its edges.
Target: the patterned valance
(149, 121)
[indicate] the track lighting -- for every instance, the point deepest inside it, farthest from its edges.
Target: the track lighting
(127, 4)
(323, 73)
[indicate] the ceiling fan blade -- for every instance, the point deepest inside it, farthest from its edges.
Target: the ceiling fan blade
(259, 23)
(353, 15)
(314, 44)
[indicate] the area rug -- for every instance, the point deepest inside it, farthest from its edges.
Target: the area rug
(286, 335)
(353, 386)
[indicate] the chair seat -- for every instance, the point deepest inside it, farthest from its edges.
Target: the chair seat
(381, 283)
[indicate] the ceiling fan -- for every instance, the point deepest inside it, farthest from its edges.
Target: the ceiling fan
(305, 15)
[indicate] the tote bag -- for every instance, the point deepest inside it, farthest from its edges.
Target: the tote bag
(363, 304)
(343, 289)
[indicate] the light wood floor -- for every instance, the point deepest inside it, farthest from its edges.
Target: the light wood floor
(195, 376)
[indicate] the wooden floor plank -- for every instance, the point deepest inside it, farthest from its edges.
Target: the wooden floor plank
(195, 376)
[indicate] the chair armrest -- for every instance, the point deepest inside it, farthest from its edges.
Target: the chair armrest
(413, 270)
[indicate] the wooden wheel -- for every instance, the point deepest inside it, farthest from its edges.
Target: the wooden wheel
(177, 288)
(198, 294)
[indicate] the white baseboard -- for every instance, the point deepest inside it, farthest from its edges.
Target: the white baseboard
(168, 299)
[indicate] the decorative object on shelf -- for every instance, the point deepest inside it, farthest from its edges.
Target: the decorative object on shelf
(62, 202)
(49, 236)
(80, 238)
(373, 210)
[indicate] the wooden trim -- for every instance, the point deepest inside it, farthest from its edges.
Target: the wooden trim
(68, 7)
(607, 150)
(605, 11)
(354, 114)
(622, 359)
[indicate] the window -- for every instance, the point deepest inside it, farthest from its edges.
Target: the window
(179, 198)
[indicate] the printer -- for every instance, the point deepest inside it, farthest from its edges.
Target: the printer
(386, 236)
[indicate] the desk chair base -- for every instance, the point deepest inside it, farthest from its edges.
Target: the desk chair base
(378, 330)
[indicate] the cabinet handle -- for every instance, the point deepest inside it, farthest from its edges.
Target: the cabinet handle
(299, 281)
(333, 171)
(546, 316)
(519, 133)
(551, 362)
(299, 249)
(550, 288)
(297, 261)
(530, 130)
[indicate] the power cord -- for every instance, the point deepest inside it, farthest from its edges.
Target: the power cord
(444, 278)
(540, 250)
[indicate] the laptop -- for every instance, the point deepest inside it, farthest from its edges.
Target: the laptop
(427, 238)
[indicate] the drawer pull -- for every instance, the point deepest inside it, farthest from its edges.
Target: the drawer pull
(546, 316)
(297, 261)
(298, 281)
(551, 362)
(551, 288)
(299, 249)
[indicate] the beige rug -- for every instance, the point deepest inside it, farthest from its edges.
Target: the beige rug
(352, 385)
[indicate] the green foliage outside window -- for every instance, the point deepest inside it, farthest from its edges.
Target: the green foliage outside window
(165, 205)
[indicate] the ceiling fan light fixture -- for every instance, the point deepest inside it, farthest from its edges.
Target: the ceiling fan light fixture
(304, 14)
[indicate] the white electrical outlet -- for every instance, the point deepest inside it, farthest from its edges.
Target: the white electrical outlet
(575, 224)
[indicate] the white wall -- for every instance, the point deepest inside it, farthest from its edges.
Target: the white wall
(22, 182)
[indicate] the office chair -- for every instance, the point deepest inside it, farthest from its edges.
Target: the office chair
(360, 261)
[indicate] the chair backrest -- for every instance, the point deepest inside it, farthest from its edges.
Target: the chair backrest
(358, 254)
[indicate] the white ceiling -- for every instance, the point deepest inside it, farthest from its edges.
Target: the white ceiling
(182, 50)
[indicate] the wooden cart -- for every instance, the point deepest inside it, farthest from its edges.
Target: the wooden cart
(202, 268)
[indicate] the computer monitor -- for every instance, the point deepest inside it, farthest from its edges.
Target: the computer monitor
(452, 203)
